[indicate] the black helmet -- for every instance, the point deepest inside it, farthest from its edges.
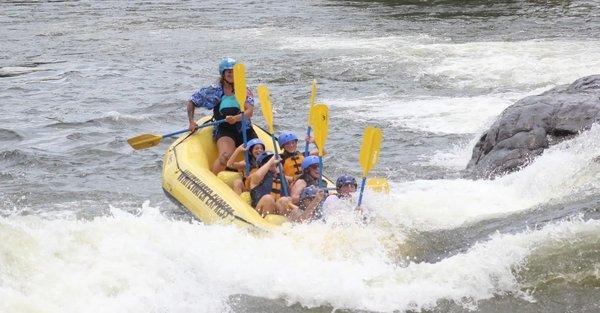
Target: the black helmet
(309, 192)
(345, 180)
(263, 157)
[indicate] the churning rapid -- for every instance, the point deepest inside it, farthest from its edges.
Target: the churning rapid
(85, 226)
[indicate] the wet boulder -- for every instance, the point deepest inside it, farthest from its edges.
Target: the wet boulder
(534, 123)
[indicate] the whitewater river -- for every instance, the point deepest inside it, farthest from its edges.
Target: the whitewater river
(85, 226)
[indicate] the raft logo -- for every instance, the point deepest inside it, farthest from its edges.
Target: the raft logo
(205, 194)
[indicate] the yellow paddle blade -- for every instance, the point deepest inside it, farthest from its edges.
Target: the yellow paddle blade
(320, 122)
(378, 184)
(313, 96)
(267, 107)
(239, 83)
(144, 141)
(369, 150)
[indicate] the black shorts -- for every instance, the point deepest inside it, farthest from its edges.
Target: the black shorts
(234, 132)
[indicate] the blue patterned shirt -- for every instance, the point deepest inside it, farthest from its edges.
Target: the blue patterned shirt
(209, 97)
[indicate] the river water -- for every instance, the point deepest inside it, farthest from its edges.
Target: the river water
(85, 227)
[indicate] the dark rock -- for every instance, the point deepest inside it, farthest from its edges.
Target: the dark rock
(534, 123)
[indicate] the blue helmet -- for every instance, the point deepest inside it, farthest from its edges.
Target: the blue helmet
(226, 64)
(253, 142)
(264, 157)
(309, 192)
(345, 180)
(308, 161)
(285, 138)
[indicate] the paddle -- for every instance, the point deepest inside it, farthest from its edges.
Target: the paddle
(378, 184)
(267, 109)
(149, 140)
(313, 95)
(239, 83)
(319, 115)
(369, 154)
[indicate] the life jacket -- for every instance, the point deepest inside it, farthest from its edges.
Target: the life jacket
(292, 163)
(271, 184)
(227, 106)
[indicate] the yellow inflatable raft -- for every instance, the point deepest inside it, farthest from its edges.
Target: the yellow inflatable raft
(188, 180)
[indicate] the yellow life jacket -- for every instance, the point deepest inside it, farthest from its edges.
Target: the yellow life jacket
(292, 163)
(276, 188)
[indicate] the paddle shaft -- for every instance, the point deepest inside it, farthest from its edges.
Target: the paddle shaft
(320, 171)
(240, 91)
(245, 136)
(313, 94)
(197, 127)
(284, 185)
(307, 141)
(362, 189)
(267, 109)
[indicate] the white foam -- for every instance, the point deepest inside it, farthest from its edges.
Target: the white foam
(340, 42)
(455, 157)
(516, 64)
(116, 116)
(146, 263)
(487, 269)
(520, 65)
(445, 115)
(565, 170)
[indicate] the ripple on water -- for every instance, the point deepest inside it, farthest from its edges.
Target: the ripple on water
(9, 135)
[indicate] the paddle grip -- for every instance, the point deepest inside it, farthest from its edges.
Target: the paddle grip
(307, 142)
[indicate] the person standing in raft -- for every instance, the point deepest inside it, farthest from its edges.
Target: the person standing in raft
(310, 177)
(255, 147)
(220, 98)
(265, 187)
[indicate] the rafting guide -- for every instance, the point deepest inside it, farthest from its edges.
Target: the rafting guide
(221, 99)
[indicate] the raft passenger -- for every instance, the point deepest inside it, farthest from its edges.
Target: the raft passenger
(265, 187)
(309, 177)
(255, 147)
(220, 98)
(310, 205)
(345, 186)
(291, 158)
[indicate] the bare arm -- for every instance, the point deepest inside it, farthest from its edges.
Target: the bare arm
(232, 119)
(190, 113)
(249, 111)
(296, 189)
(231, 162)
(257, 177)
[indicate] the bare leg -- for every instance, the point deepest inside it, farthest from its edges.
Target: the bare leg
(225, 146)
(266, 205)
